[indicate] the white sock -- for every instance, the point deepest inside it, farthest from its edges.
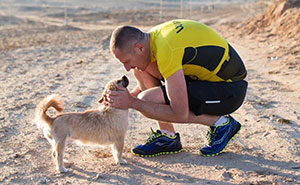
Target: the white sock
(166, 132)
(220, 121)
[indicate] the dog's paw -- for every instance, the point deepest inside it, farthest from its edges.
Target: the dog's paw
(68, 164)
(62, 169)
(123, 162)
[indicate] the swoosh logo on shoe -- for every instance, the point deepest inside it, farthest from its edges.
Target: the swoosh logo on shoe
(162, 144)
(222, 138)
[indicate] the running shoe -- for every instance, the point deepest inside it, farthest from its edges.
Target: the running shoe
(219, 137)
(158, 144)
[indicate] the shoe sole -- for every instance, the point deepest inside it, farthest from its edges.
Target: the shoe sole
(211, 155)
(155, 155)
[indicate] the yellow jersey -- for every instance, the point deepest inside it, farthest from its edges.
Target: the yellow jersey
(191, 46)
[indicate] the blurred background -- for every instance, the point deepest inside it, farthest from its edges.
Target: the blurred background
(62, 47)
(71, 11)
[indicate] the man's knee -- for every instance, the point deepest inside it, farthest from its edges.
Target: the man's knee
(144, 96)
(145, 80)
(152, 95)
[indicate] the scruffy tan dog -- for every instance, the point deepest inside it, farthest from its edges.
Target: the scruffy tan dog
(101, 127)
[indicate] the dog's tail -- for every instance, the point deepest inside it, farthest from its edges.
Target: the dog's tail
(40, 115)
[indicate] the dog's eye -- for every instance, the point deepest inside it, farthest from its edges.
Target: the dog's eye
(119, 81)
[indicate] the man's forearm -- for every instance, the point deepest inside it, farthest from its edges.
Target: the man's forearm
(160, 112)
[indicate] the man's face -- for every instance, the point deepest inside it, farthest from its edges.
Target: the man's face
(132, 60)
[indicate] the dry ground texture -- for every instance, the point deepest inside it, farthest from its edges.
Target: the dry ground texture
(40, 56)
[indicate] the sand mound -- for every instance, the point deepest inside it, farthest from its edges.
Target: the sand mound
(281, 19)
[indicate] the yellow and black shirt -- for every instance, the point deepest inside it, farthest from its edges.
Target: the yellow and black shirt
(195, 48)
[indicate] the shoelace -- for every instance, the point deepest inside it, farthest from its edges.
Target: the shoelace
(152, 136)
(210, 135)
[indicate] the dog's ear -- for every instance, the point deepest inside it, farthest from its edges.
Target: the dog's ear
(101, 100)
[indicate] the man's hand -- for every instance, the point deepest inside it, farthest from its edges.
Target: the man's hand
(119, 99)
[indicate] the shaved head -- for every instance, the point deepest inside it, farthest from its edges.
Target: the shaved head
(125, 37)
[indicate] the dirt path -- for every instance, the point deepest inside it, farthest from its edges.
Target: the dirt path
(76, 63)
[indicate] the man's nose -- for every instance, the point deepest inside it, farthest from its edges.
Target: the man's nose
(127, 67)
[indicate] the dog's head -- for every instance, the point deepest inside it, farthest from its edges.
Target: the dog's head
(112, 86)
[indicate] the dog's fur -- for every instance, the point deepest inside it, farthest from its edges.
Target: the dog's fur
(101, 127)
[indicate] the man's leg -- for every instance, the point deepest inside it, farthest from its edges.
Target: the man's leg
(150, 78)
(220, 134)
(221, 99)
(155, 95)
(164, 140)
(146, 81)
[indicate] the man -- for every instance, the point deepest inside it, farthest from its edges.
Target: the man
(186, 73)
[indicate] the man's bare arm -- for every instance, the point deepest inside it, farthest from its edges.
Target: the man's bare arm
(135, 91)
(177, 111)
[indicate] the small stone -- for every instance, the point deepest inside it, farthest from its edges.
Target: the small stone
(274, 58)
(227, 175)
(239, 26)
(59, 77)
(81, 105)
(284, 121)
(295, 167)
(218, 167)
(43, 181)
(266, 134)
(98, 176)
(80, 62)
(17, 156)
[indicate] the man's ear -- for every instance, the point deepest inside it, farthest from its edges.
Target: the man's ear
(139, 47)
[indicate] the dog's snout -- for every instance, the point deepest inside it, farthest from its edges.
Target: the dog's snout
(125, 78)
(125, 81)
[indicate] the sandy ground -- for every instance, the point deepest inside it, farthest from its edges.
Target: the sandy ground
(40, 57)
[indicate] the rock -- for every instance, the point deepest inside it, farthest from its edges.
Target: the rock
(98, 176)
(295, 167)
(227, 175)
(17, 156)
(284, 121)
(80, 62)
(43, 181)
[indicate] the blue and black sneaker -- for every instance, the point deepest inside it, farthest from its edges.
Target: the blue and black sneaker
(158, 144)
(219, 136)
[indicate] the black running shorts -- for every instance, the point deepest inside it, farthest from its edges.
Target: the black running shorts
(213, 98)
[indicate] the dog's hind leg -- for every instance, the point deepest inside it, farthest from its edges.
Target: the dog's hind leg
(117, 150)
(51, 140)
(59, 155)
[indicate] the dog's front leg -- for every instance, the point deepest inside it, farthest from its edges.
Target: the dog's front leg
(117, 150)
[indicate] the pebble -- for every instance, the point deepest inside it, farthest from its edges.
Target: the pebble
(80, 62)
(295, 167)
(17, 156)
(227, 175)
(274, 58)
(285, 121)
(98, 176)
(43, 181)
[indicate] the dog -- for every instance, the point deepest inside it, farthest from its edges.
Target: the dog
(106, 126)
